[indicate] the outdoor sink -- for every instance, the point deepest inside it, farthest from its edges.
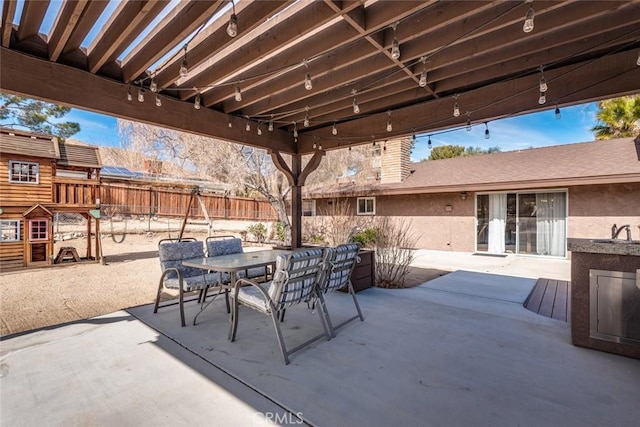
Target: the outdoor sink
(617, 241)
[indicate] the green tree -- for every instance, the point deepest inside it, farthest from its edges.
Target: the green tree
(618, 118)
(449, 151)
(36, 116)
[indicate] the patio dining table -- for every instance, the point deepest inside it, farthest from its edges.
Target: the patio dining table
(233, 263)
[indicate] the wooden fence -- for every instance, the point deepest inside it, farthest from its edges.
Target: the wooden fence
(139, 200)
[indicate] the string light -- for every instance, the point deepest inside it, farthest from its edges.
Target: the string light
(356, 108)
(259, 130)
(153, 87)
(558, 115)
(196, 103)
(542, 99)
(271, 124)
(232, 28)
(486, 131)
(247, 127)
(395, 46)
(158, 101)
(638, 60)
(184, 69)
(528, 19)
(129, 95)
(389, 126)
(468, 122)
(543, 81)
(456, 109)
(306, 118)
(423, 75)
(229, 124)
(295, 130)
(429, 142)
(141, 94)
(308, 84)
(238, 95)
(334, 130)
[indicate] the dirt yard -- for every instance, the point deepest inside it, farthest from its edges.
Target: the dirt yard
(45, 297)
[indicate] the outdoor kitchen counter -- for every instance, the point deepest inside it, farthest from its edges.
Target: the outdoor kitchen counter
(604, 246)
(616, 263)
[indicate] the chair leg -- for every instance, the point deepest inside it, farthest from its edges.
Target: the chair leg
(226, 300)
(155, 308)
(233, 327)
(281, 314)
(355, 301)
(182, 305)
(276, 325)
(326, 318)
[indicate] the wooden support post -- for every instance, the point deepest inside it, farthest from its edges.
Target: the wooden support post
(296, 177)
(88, 236)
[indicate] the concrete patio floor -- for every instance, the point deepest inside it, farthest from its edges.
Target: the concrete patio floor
(460, 350)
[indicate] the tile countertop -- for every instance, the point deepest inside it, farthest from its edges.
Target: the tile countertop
(604, 246)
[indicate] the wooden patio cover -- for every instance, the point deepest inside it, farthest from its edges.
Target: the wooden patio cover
(300, 67)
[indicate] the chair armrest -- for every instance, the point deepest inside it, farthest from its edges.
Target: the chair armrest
(169, 270)
(253, 283)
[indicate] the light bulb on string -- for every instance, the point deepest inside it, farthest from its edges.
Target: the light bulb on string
(334, 130)
(308, 84)
(356, 108)
(542, 99)
(395, 45)
(158, 101)
(389, 126)
(486, 131)
(232, 27)
(423, 76)
(247, 126)
(271, 124)
(429, 142)
(196, 103)
(558, 115)
(184, 69)
(229, 124)
(259, 130)
(141, 95)
(129, 95)
(153, 86)
(528, 20)
(456, 108)
(543, 84)
(306, 118)
(295, 130)
(238, 94)
(638, 60)
(468, 122)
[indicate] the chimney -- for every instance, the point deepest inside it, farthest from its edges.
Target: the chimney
(396, 160)
(153, 167)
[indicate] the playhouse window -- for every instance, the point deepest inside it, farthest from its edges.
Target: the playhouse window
(24, 172)
(9, 230)
(38, 229)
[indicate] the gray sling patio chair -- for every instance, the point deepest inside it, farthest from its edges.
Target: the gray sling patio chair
(226, 245)
(294, 282)
(186, 279)
(340, 262)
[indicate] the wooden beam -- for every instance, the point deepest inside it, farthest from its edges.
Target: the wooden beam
(311, 166)
(607, 77)
(65, 23)
(8, 13)
(33, 12)
(214, 38)
(87, 20)
(22, 74)
(175, 27)
(311, 17)
(283, 167)
(296, 203)
(126, 23)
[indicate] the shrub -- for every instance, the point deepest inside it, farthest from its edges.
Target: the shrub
(366, 238)
(393, 243)
(278, 229)
(258, 230)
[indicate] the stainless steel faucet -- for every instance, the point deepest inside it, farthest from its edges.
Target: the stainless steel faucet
(615, 231)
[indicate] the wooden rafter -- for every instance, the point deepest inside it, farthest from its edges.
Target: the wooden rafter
(63, 27)
(84, 24)
(33, 12)
(8, 13)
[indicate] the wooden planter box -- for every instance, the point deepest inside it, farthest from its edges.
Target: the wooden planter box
(364, 273)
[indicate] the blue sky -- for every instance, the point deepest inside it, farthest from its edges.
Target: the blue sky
(514, 133)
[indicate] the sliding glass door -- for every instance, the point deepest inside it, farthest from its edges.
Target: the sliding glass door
(524, 223)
